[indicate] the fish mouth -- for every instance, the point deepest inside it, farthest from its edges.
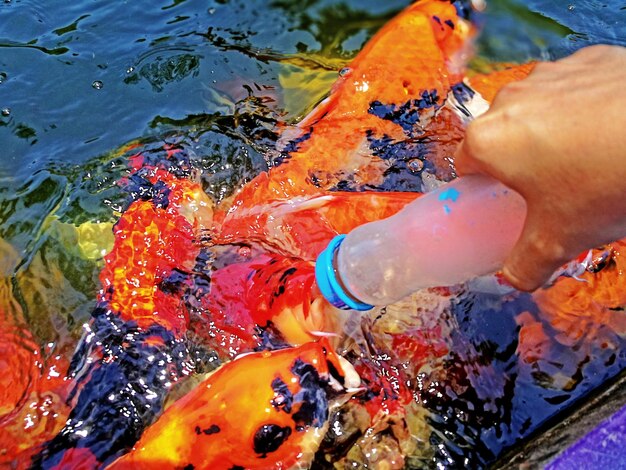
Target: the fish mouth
(346, 380)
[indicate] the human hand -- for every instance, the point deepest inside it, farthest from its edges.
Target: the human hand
(559, 139)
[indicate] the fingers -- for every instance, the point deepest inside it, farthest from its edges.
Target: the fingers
(494, 145)
(535, 257)
(476, 147)
(464, 163)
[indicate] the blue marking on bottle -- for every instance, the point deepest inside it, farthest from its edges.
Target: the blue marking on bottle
(450, 194)
(446, 209)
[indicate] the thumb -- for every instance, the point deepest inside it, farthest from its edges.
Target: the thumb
(535, 256)
(485, 141)
(464, 162)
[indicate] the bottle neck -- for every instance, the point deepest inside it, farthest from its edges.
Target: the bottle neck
(329, 280)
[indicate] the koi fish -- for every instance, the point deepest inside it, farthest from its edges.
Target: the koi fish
(588, 308)
(272, 418)
(276, 290)
(133, 350)
(32, 384)
(385, 109)
(33, 390)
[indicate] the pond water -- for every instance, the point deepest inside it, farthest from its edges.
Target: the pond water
(79, 82)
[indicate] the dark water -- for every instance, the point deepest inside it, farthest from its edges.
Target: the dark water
(80, 80)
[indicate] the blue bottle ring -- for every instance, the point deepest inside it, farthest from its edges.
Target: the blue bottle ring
(328, 283)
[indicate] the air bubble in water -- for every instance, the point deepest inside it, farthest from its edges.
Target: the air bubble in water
(97, 84)
(245, 252)
(5, 111)
(415, 165)
(344, 71)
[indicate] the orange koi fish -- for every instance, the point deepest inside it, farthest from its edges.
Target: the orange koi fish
(33, 388)
(583, 311)
(276, 290)
(488, 85)
(386, 106)
(133, 348)
(263, 410)
(32, 391)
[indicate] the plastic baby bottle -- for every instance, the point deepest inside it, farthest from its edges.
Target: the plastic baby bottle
(462, 230)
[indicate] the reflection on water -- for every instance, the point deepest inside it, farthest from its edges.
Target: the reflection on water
(218, 81)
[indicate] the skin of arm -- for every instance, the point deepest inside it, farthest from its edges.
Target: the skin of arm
(558, 138)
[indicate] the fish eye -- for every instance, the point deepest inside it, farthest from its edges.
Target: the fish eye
(269, 437)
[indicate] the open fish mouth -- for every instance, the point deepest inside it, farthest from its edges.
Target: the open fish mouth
(348, 381)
